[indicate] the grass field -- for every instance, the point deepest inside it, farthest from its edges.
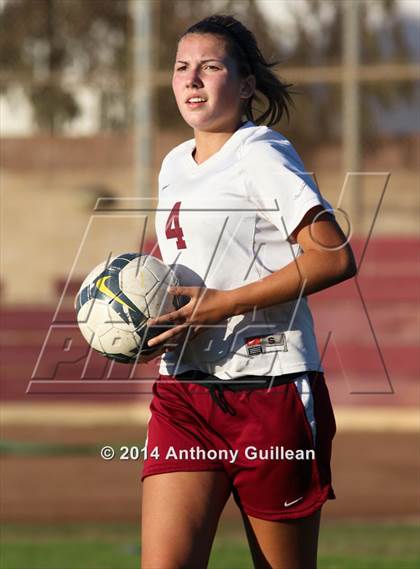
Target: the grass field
(115, 546)
(50, 476)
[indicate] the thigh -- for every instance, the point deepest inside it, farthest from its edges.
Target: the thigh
(290, 544)
(180, 513)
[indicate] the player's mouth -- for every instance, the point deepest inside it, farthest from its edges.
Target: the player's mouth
(195, 102)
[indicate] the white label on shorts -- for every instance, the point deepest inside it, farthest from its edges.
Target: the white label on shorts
(266, 344)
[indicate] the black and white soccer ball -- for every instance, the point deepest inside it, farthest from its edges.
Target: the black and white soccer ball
(115, 301)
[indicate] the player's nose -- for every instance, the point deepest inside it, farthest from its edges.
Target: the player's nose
(193, 79)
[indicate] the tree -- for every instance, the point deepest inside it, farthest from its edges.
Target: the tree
(49, 47)
(44, 42)
(321, 43)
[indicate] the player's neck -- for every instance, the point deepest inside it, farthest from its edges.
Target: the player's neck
(208, 143)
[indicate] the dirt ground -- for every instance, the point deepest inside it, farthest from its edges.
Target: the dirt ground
(375, 477)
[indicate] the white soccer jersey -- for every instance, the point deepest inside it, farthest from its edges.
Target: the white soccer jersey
(225, 223)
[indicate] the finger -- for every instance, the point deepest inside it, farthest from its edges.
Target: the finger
(170, 334)
(183, 290)
(169, 340)
(169, 318)
(196, 330)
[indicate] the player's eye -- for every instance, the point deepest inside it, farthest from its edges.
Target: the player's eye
(211, 67)
(181, 68)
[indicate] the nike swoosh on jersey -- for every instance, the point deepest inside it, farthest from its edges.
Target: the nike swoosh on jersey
(287, 504)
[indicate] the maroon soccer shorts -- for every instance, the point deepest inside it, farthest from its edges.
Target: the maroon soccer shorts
(275, 449)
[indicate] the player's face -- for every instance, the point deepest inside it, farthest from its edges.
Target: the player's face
(207, 86)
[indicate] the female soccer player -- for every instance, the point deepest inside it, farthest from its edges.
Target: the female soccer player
(241, 405)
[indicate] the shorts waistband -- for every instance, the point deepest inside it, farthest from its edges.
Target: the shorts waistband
(216, 386)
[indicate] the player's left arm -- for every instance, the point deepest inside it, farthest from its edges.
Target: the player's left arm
(327, 259)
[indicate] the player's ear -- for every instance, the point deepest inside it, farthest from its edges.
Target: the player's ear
(248, 87)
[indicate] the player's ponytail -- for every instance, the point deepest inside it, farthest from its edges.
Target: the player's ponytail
(243, 47)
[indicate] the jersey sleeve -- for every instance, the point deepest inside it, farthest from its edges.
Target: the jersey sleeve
(278, 186)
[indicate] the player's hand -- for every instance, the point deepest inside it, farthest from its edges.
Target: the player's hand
(206, 306)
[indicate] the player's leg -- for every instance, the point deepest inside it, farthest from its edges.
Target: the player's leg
(180, 513)
(290, 544)
(280, 497)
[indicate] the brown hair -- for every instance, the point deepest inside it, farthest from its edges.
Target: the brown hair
(243, 47)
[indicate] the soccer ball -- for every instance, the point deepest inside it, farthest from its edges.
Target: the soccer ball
(116, 299)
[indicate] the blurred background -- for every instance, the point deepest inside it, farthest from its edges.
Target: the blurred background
(86, 116)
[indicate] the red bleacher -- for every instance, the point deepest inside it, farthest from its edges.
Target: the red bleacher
(367, 331)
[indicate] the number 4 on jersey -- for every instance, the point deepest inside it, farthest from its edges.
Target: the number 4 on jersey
(173, 230)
